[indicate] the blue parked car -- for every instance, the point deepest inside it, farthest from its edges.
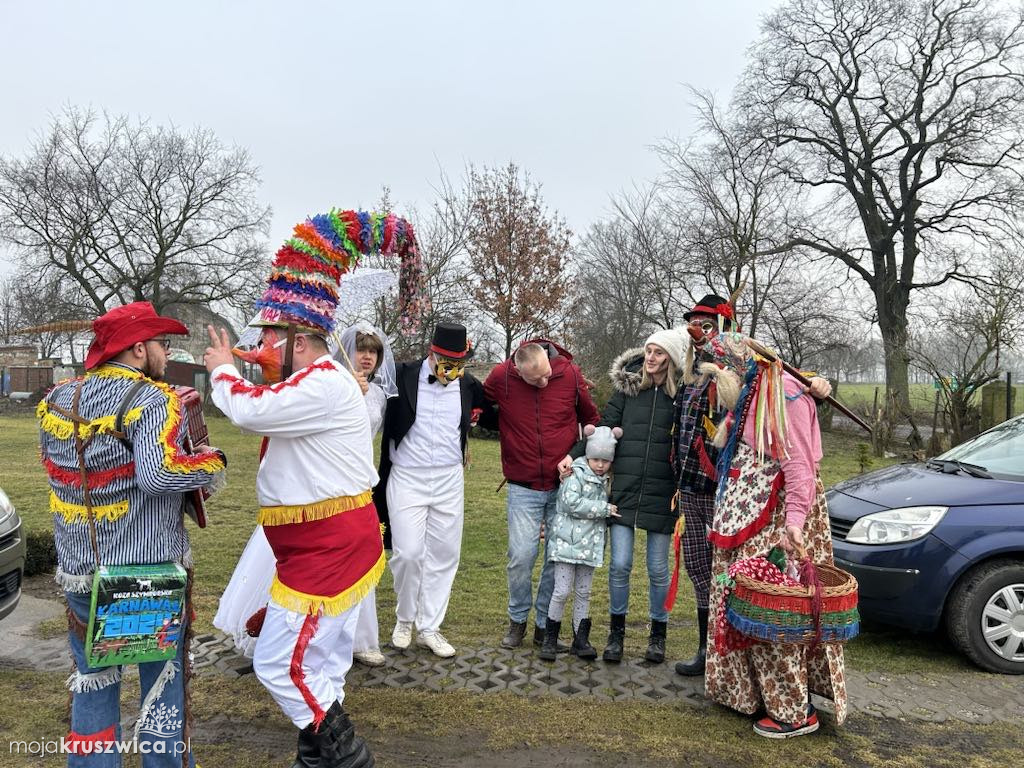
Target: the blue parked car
(943, 542)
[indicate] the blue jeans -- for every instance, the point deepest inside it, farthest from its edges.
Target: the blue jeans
(527, 509)
(622, 564)
(93, 711)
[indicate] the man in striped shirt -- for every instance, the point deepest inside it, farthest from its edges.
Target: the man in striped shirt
(136, 474)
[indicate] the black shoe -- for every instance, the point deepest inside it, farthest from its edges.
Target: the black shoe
(656, 642)
(581, 646)
(549, 650)
(514, 637)
(538, 640)
(695, 666)
(308, 755)
(339, 746)
(617, 635)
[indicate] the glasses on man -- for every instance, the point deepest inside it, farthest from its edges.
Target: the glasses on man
(164, 343)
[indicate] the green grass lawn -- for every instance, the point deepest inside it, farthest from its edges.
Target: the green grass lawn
(477, 614)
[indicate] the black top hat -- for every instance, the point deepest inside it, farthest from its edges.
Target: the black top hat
(450, 341)
(713, 305)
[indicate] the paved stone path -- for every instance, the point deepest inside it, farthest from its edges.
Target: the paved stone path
(972, 697)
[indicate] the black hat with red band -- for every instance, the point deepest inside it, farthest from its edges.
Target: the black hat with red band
(712, 305)
(450, 341)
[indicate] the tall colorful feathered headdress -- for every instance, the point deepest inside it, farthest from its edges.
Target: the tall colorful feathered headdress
(303, 285)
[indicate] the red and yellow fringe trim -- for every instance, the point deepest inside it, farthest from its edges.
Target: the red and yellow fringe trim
(316, 510)
(175, 460)
(301, 602)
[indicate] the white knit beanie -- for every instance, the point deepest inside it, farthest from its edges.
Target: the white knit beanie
(674, 341)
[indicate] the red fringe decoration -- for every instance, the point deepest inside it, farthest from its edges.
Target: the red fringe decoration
(90, 743)
(673, 586)
(309, 627)
(705, 461)
(96, 479)
(734, 540)
(809, 578)
(264, 444)
(294, 259)
(254, 624)
(387, 240)
(353, 227)
(242, 387)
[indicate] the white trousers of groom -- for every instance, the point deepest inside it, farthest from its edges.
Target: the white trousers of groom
(425, 506)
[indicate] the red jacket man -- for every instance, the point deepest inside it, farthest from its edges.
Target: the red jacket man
(542, 400)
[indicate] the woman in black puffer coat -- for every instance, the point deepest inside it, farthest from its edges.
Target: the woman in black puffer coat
(645, 382)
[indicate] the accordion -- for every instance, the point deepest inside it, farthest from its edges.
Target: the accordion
(198, 434)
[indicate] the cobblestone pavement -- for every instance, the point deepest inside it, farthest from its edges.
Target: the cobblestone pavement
(972, 697)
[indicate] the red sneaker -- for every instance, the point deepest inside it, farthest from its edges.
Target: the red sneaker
(771, 728)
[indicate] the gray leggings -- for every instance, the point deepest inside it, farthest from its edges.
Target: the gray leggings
(571, 576)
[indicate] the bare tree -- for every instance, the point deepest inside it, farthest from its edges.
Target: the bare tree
(736, 203)
(964, 345)
(518, 253)
(908, 117)
(127, 211)
(651, 232)
(807, 317)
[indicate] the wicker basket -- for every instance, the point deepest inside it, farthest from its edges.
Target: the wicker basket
(780, 614)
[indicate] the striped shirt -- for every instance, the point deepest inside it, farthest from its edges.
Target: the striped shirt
(137, 491)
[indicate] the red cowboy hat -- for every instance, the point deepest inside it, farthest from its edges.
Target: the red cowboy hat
(123, 326)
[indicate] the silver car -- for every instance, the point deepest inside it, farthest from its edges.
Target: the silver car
(12, 556)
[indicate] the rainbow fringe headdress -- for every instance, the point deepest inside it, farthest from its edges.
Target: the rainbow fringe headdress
(303, 285)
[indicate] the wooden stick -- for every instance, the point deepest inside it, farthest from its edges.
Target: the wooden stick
(771, 356)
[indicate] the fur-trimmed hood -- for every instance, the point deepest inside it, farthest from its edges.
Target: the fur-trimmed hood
(626, 371)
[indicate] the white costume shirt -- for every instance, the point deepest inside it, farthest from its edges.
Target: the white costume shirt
(434, 439)
(319, 432)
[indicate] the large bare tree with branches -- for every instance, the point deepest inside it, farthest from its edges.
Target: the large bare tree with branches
(734, 202)
(906, 119)
(126, 211)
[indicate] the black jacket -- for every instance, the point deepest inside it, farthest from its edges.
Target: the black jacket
(643, 482)
(399, 417)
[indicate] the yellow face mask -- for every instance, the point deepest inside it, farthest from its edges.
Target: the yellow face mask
(447, 370)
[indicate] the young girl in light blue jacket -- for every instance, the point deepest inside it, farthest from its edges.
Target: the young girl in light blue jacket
(577, 540)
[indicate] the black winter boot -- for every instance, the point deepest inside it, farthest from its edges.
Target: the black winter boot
(308, 755)
(613, 651)
(695, 666)
(549, 651)
(581, 646)
(339, 745)
(538, 639)
(656, 642)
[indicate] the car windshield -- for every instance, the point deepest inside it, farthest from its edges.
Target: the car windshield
(1000, 450)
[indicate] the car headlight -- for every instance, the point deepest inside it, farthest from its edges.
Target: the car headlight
(894, 526)
(6, 508)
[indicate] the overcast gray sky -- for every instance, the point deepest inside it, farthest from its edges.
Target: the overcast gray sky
(335, 100)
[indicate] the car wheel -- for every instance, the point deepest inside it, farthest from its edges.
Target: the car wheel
(985, 616)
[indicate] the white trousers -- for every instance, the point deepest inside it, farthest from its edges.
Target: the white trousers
(366, 627)
(426, 511)
(326, 660)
